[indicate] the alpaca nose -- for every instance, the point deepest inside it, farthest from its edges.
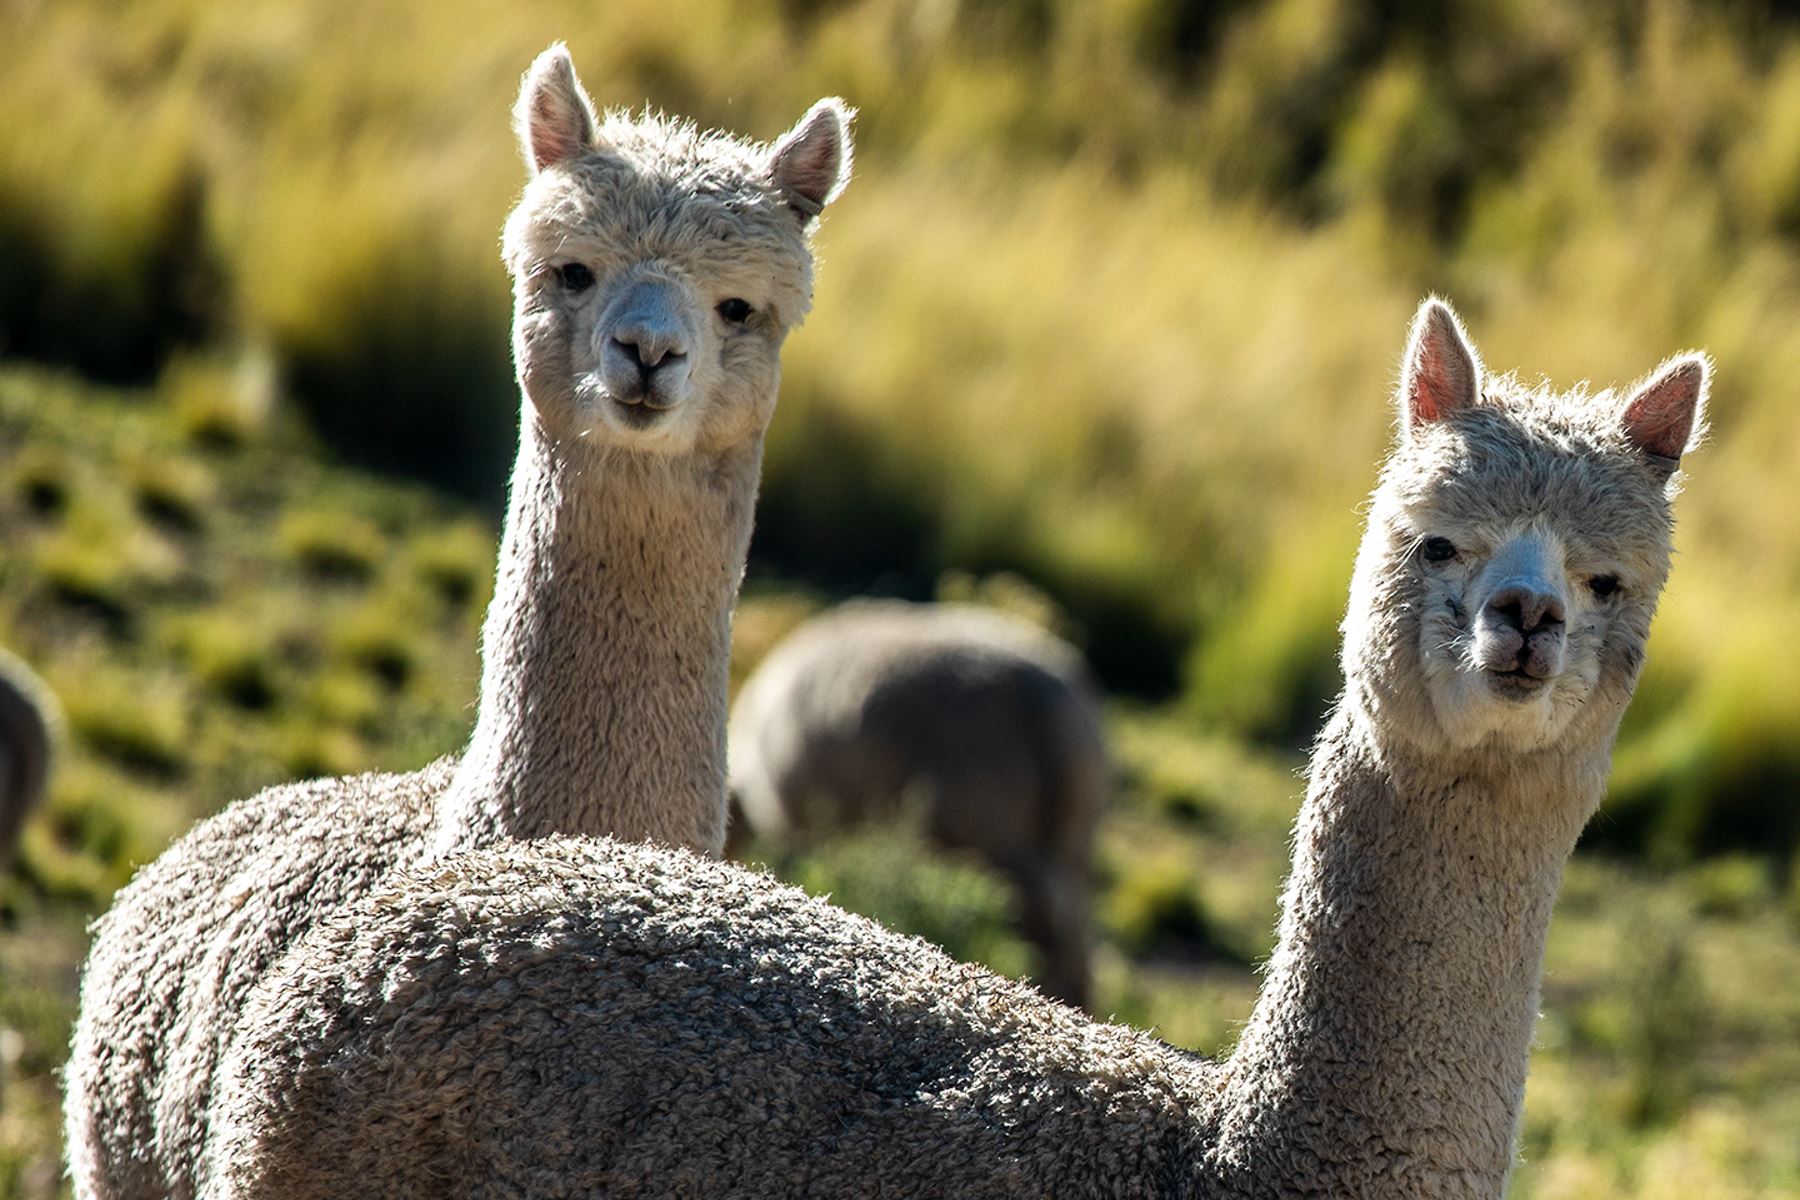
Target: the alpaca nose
(647, 344)
(649, 347)
(1527, 609)
(647, 326)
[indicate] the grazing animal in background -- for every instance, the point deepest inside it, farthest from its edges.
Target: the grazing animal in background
(27, 745)
(582, 1017)
(991, 725)
(656, 272)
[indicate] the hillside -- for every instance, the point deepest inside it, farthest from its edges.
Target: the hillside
(1106, 325)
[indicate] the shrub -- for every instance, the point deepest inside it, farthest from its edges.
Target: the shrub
(142, 727)
(391, 336)
(332, 545)
(40, 479)
(1153, 907)
(107, 271)
(885, 871)
(456, 562)
(221, 403)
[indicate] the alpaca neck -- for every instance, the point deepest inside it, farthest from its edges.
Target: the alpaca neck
(604, 653)
(1387, 1052)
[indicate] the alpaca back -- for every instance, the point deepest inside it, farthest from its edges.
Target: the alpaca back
(530, 1018)
(184, 942)
(988, 722)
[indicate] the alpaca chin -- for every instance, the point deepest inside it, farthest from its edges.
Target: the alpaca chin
(1477, 708)
(666, 427)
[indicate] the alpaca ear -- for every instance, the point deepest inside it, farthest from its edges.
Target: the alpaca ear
(1665, 416)
(1442, 374)
(554, 118)
(811, 163)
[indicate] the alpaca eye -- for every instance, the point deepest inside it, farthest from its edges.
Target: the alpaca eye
(1437, 549)
(735, 311)
(1603, 585)
(575, 277)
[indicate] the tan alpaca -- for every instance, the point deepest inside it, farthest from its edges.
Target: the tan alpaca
(27, 719)
(656, 272)
(580, 1017)
(989, 723)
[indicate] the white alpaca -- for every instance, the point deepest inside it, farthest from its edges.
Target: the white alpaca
(989, 723)
(27, 718)
(656, 272)
(582, 1017)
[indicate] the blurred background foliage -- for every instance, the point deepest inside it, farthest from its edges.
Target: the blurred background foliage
(1111, 311)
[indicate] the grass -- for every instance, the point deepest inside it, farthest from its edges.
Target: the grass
(200, 650)
(1104, 332)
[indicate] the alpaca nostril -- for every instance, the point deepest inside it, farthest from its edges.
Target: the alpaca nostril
(1527, 610)
(647, 351)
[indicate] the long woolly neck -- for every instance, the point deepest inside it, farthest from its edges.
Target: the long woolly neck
(604, 653)
(1387, 1053)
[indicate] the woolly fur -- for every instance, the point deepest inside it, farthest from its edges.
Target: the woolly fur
(604, 652)
(584, 1018)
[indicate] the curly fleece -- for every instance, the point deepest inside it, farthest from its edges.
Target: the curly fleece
(603, 695)
(590, 1018)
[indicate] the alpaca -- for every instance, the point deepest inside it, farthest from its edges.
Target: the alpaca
(990, 722)
(657, 271)
(27, 718)
(581, 1017)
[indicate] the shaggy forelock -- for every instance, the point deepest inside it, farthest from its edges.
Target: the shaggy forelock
(1524, 453)
(659, 187)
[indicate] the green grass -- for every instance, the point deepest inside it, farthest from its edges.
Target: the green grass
(201, 649)
(1104, 333)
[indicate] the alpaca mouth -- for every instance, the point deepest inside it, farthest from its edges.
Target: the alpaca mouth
(634, 414)
(1517, 684)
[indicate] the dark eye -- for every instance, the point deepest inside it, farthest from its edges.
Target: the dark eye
(1437, 549)
(735, 311)
(1603, 585)
(575, 277)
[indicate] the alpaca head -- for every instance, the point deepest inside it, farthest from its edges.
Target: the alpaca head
(657, 269)
(1516, 547)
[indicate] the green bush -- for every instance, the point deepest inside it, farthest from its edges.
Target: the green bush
(1154, 908)
(333, 545)
(886, 872)
(143, 728)
(109, 272)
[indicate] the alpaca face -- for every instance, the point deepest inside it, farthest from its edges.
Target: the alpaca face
(657, 270)
(652, 320)
(1516, 549)
(1532, 571)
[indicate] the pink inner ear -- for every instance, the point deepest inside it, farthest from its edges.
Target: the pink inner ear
(1660, 419)
(805, 165)
(1432, 381)
(1440, 377)
(550, 140)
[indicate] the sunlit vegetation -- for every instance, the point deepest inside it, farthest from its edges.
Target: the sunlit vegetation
(1104, 332)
